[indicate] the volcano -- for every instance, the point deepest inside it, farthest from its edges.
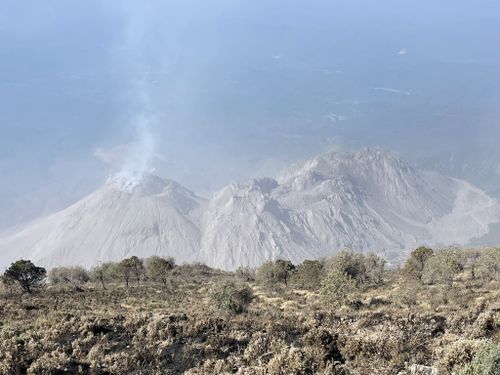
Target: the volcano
(370, 200)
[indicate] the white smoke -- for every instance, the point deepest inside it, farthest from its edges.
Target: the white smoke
(134, 59)
(140, 154)
(135, 159)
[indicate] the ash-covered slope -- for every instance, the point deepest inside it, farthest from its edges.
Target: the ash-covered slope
(245, 225)
(119, 220)
(480, 167)
(374, 200)
(369, 200)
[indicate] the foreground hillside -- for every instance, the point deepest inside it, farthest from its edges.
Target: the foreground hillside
(344, 315)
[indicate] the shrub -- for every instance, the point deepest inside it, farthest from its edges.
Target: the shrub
(273, 273)
(132, 267)
(75, 276)
(104, 273)
(488, 265)
(443, 267)
(350, 263)
(471, 257)
(8, 283)
(407, 293)
(486, 362)
(337, 287)
(231, 297)
(415, 264)
(193, 269)
(375, 268)
(158, 268)
(290, 361)
(308, 275)
(348, 273)
(365, 270)
(245, 274)
(28, 275)
(458, 354)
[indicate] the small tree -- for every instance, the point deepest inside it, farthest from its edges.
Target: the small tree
(415, 264)
(308, 275)
(75, 276)
(337, 288)
(273, 273)
(350, 262)
(231, 297)
(407, 293)
(488, 265)
(8, 283)
(104, 273)
(353, 265)
(158, 268)
(284, 269)
(375, 269)
(471, 257)
(245, 274)
(131, 268)
(443, 267)
(26, 274)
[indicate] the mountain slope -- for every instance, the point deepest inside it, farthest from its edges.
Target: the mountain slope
(370, 200)
(373, 200)
(480, 167)
(244, 226)
(118, 220)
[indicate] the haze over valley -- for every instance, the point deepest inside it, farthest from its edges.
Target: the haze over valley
(250, 187)
(215, 93)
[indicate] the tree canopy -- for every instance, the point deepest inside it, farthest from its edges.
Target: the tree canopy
(26, 274)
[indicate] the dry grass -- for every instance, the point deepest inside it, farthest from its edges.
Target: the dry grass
(173, 330)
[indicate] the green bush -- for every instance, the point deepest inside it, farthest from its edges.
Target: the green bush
(365, 269)
(25, 273)
(159, 269)
(271, 274)
(245, 274)
(8, 283)
(488, 265)
(308, 275)
(348, 273)
(231, 297)
(337, 288)
(350, 263)
(195, 269)
(443, 267)
(75, 276)
(415, 264)
(375, 269)
(407, 293)
(104, 273)
(132, 267)
(486, 362)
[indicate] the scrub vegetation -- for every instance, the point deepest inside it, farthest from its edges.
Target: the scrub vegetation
(348, 314)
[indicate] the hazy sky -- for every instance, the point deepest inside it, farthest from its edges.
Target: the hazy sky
(208, 92)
